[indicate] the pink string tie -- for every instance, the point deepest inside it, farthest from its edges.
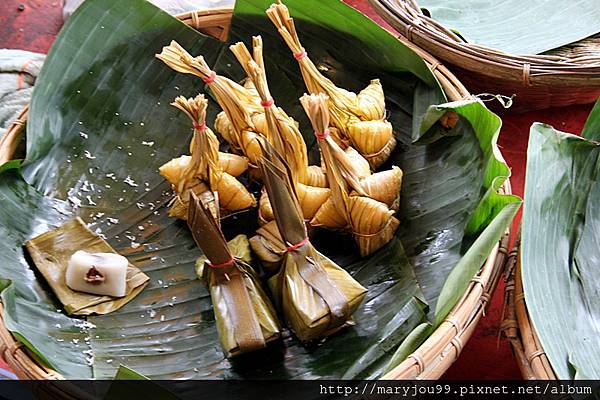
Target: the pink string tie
(267, 103)
(299, 56)
(227, 263)
(322, 135)
(211, 78)
(296, 246)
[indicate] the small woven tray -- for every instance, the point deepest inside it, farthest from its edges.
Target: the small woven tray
(569, 75)
(429, 361)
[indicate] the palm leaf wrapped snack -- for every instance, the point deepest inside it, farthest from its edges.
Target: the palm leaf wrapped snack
(208, 171)
(246, 319)
(238, 102)
(359, 201)
(315, 295)
(357, 119)
(281, 130)
(283, 134)
(242, 123)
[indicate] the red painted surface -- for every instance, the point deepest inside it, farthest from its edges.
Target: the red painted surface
(32, 28)
(484, 356)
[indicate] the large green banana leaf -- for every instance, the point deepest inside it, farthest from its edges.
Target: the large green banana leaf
(100, 126)
(561, 247)
(517, 27)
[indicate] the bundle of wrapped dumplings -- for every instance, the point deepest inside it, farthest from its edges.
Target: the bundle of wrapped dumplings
(314, 296)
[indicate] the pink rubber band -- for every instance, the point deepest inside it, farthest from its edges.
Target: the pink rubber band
(322, 136)
(227, 263)
(211, 78)
(267, 103)
(199, 127)
(301, 55)
(298, 245)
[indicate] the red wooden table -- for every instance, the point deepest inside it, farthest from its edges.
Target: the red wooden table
(33, 24)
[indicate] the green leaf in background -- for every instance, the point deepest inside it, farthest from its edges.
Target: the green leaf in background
(100, 96)
(122, 390)
(458, 281)
(13, 164)
(467, 267)
(516, 27)
(127, 374)
(410, 344)
(560, 249)
(591, 129)
(487, 129)
(424, 97)
(445, 260)
(99, 128)
(470, 147)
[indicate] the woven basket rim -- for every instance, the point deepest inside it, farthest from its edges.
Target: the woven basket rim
(429, 361)
(517, 327)
(553, 70)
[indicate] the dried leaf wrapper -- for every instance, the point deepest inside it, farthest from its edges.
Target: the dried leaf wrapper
(246, 319)
(238, 102)
(316, 296)
(283, 134)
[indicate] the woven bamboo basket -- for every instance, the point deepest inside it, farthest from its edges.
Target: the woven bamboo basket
(568, 75)
(517, 328)
(429, 361)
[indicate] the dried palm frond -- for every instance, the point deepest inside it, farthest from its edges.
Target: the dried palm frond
(360, 202)
(203, 173)
(238, 103)
(283, 134)
(359, 119)
(281, 130)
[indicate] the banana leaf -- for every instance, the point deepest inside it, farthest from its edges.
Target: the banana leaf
(99, 127)
(560, 249)
(120, 390)
(434, 252)
(591, 129)
(512, 27)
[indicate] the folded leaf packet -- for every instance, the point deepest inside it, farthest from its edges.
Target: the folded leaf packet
(316, 296)
(51, 252)
(246, 319)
